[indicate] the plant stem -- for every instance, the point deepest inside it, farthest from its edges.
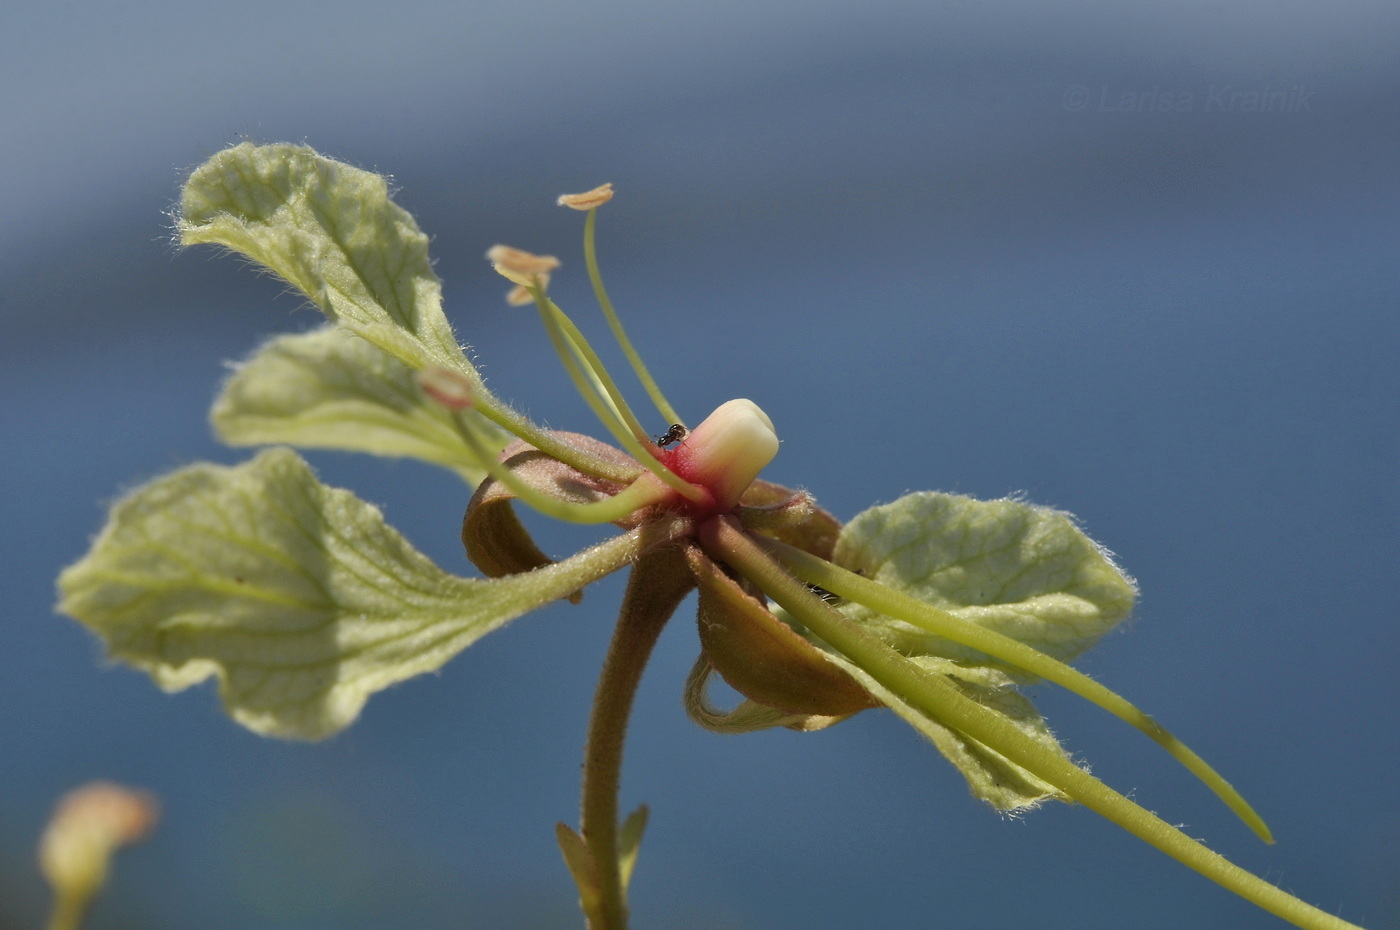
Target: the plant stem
(68, 909)
(659, 582)
(934, 696)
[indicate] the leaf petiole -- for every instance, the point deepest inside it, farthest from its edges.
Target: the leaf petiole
(933, 695)
(892, 603)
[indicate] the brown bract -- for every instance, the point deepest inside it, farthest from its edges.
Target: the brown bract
(763, 658)
(790, 516)
(495, 540)
(756, 653)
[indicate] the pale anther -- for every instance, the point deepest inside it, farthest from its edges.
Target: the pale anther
(588, 199)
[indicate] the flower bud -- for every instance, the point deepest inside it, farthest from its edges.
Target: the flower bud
(89, 825)
(727, 451)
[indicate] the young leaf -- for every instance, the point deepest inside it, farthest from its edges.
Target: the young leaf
(584, 869)
(1024, 571)
(331, 389)
(629, 843)
(297, 596)
(333, 233)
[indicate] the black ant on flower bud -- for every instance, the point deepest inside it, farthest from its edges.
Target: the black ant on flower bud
(676, 433)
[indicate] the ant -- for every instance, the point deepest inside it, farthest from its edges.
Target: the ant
(676, 433)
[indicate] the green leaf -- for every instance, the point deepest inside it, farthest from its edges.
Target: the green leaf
(1024, 571)
(1094, 580)
(1021, 570)
(584, 869)
(296, 596)
(629, 843)
(333, 233)
(990, 776)
(330, 389)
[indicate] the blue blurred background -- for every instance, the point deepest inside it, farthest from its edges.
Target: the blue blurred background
(1062, 250)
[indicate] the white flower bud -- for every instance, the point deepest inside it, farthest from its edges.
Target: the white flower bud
(727, 451)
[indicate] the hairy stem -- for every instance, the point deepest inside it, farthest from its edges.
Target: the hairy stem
(659, 581)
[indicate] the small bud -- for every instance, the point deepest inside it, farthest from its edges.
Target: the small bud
(727, 451)
(451, 389)
(88, 825)
(588, 199)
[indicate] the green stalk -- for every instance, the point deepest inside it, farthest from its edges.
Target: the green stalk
(506, 417)
(940, 700)
(925, 616)
(596, 277)
(69, 909)
(607, 403)
(598, 402)
(593, 364)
